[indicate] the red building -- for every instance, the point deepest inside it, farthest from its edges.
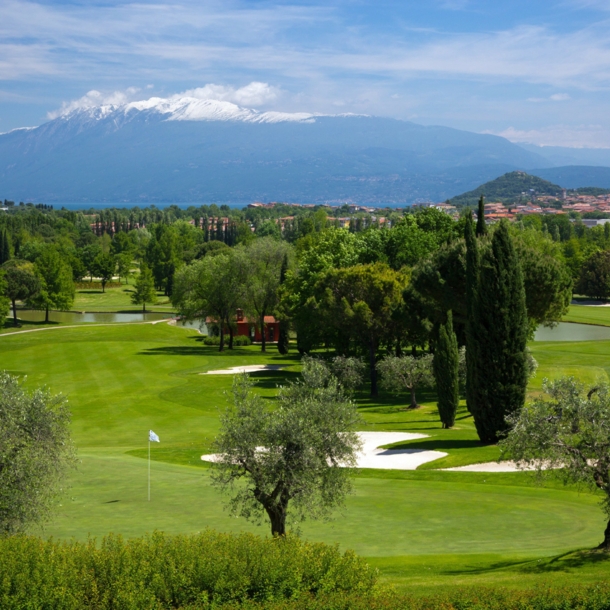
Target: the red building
(249, 327)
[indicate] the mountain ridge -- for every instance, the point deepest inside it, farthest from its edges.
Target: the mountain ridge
(186, 149)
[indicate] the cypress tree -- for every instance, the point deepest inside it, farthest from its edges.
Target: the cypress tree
(283, 339)
(472, 280)
(5, 246)
(446, 362)
(481, 226)
(500, 315)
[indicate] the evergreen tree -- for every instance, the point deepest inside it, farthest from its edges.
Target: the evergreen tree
(481, 226)
(5, 246)
(472, 280)
(446, 373)
(500, 316)
(283, 339)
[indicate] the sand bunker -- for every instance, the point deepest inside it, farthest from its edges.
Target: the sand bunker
(250, 368)
(394, 459)
(507, 466)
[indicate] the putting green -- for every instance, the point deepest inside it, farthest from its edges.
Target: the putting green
(384, 517)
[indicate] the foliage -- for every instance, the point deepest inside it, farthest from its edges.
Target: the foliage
(104, 266)
(349, 371)
(446, 373)
(212, 287)
(283, 342)
(262, 262)
(399, 373)
(508, 189)
(203, 570)
(238, 340)
(56, 285)
(22, 283)
(355, 306)
(594, 280)
(569, 430)
(35, 451)
(497, 338)
(144, 288)
(288, 462)
(4, 300)
(481, 224)
(123, 263)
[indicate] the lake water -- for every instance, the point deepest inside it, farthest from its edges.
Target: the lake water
(74, 317)
(565, 331)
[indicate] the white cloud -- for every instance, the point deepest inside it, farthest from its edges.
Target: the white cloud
(93, 99)
(253, 94)
(556, 97)
(572, 136)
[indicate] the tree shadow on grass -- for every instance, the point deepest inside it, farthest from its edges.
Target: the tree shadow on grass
(438, 444)
(572, 560)
(25, 324)
(269, 380)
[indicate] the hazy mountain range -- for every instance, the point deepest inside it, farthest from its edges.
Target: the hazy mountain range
(187, 149)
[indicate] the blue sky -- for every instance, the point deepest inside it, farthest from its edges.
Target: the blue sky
(536, 70)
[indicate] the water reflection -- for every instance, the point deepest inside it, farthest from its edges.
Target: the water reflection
(75, 317)
(566, 331)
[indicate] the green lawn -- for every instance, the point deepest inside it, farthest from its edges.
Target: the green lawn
(588, 314)
(424, 528)
(114, 299)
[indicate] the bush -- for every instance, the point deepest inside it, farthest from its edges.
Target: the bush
(237, 340)
(578, 597)
(160, 571)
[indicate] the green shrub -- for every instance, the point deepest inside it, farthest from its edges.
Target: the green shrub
(160, 571)
(237, 340)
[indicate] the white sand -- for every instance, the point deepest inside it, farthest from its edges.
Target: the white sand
(250, 368)
(372, 457)
(395, 459)
(507, 466)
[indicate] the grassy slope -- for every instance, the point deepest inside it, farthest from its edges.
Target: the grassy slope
(436, 527)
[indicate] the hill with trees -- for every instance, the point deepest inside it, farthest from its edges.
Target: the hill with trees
(509, 188)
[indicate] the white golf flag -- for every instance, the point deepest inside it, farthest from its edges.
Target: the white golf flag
(152, 437)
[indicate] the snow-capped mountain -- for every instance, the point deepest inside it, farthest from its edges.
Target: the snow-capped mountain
(190, 149)
(184, 109)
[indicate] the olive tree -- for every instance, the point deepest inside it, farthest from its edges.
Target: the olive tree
(399, 373)
(35, 452)
(568, 430)
(290, 461)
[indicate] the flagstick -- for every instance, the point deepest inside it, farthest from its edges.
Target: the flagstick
(149, 470)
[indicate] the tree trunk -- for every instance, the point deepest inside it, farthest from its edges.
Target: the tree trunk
(221, 347)
(277, 517)
(413, 399)
(605, 545)
(374, 391)
(14, 313)
(144, 307)
(46, 317)
(263, 342)
(103, 287)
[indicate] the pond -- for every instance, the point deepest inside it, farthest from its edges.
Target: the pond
(75, 317)
(566, 331)
(197, 324)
